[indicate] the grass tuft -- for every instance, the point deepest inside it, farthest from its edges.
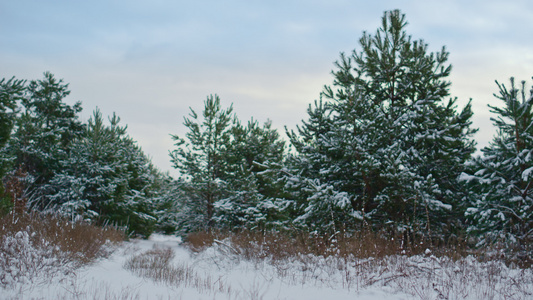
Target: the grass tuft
(156, 264)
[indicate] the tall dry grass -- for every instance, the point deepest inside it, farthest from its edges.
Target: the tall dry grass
(81, 240)
(36, 245)
(156, 264)
(281, 245)
(425, 270)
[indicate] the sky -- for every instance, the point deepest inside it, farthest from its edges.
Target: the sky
(150, 61)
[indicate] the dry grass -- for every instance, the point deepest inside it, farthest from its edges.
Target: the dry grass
(280, 261)
(82, 240)
(156, 264)
(33, 245)
(446, 271)
(281, 245)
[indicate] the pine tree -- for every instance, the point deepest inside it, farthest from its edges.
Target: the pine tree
(252, 154)
(200, 158)
(502, 179)
(168, 206)
(107, 178)
(43, 133)
(311, 173)
(11, 91)
(385, 145)
(228, 171)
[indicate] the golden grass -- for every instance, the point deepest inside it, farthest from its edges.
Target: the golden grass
(36, 246)
(280, 245)
(82, 240)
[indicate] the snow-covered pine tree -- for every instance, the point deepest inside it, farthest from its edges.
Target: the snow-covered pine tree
(106, 178)
(312, 171)
(169, 206)
(228, 171)
(11, 91)
(308, 142)
(502, 179)
(200, 160)
(393, 147)
(43, 133)
(252, 154)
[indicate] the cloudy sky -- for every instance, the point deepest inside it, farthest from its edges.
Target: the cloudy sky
(149, 61)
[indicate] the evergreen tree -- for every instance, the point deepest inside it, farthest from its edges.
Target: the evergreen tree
(169, 209)
(252, 155)
(228, 171)
(200, 159)
(385, 145)
(43, 132)
(94, 171)
(318, 203)
(106, 177)
(502, 179)
(11, 91)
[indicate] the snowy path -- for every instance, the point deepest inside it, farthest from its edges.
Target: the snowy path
(108, 279)
(161, 268)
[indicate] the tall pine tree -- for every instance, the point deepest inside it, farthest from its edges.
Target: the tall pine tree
(228, 171)
(200, 159)
(385, 145)
(43, 133)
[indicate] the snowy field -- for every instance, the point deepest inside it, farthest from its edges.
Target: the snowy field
(161, 268)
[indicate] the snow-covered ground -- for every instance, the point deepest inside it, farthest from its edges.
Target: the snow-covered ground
(161, 268)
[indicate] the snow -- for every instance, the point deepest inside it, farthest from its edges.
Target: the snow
(219, 272)
(527, 173)
(466, 177)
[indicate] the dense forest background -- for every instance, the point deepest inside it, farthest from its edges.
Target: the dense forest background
(385, 149)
